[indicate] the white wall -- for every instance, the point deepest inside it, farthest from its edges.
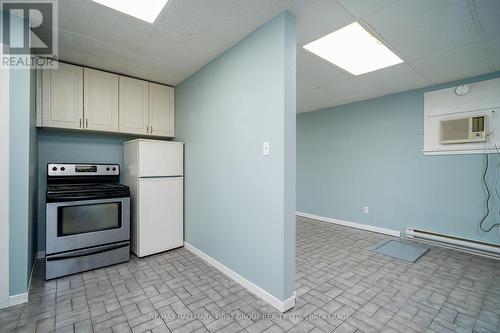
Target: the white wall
(4, 186)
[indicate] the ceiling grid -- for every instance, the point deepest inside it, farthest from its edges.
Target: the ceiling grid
(439, 41)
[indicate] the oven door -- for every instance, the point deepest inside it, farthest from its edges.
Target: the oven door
(82, 224)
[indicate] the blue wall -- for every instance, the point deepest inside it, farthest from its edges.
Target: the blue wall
(368, 154)
(19, 151)
(57, 146)
(238, 208)
(22, 164)
(33, 177)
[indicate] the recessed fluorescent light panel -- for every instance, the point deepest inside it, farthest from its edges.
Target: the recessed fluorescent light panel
(144, 10)
(354, 49)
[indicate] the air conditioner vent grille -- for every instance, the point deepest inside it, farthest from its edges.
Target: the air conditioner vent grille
(463, 130)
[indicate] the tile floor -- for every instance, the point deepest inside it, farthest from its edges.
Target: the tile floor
(444, 291)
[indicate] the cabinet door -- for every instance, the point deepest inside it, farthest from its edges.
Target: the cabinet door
(100, 101)
(133, 106)
(160, 225)
(161, 110)
(62, 97)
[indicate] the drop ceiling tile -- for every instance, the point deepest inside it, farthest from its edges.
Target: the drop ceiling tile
(307, 105)
(158, 70)
(463, 62)
(364, 7)
(393, 79)
(316, 71)
(489, 17)
(310, 99)
(348, 88)
(415, 29)
(339, 93)
(303, 87)
(218, 20)
(316, 19)
(301, 107)
(181, 47)
(493, 47)
(91, 20)
(92, 53)
(202, 16)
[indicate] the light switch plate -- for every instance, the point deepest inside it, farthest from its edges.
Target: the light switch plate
(266, 149)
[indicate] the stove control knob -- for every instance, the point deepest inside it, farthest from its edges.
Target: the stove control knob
(107, 169)
(54, 168)
(114, 168)
(63, 168)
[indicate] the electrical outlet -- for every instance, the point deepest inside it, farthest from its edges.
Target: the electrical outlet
(366, 210)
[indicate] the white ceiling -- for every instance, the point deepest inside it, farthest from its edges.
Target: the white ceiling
(439, 41)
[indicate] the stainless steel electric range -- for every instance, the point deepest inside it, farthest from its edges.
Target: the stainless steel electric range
(87, 218)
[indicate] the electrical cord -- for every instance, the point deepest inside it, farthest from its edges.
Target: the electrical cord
(496, 174)
(488, 193)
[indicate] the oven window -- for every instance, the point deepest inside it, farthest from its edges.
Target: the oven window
(80, 219)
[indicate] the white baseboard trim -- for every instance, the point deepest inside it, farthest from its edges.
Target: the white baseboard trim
(40, 254)
(379, 230)
(32, 271)
(281, 306)
(18, 299)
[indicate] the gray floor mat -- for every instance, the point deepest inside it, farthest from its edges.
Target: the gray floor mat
(402, 250)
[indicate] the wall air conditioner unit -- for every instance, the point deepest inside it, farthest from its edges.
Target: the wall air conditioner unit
(463, 130)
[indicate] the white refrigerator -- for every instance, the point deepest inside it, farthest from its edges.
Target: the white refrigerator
(154, 171)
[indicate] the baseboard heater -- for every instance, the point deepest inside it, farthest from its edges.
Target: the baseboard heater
(481, 248)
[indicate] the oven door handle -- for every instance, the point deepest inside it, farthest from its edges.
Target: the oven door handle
(82, 253)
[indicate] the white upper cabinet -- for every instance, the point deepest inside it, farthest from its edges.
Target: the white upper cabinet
(133, 106)
(161, 110)
(74, 97)
(100, 101)
(62, 97)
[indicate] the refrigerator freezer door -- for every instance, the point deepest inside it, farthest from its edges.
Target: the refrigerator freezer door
(161, 223)
(161, 158)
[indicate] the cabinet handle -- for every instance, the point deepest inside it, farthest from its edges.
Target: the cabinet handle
(80, 123)
(151, 129)
(87, 123)
(147, 129)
